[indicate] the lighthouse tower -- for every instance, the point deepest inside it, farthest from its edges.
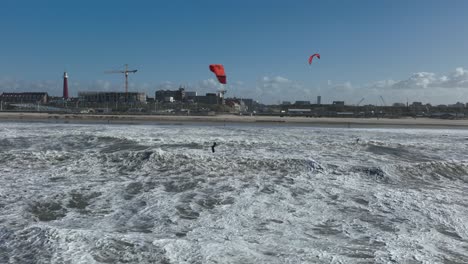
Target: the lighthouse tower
(65, 86)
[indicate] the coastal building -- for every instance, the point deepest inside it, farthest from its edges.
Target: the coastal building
(457, 105)
(249, 103)
(299, 110)
(345, 114)
(179, 95)
(338, 103)
(302, 103)
(190, 95)
(209, 98)
(319, 100)
(235, 104)
(164, 95)
(112, 97)
(40, 97)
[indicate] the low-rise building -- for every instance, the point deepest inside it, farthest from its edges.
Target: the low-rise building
(209, 98)
(39, 97)
(179, 95)
(249, 103)
(112, 97)
(163, 95)
(190, 95)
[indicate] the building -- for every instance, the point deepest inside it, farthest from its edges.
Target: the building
(149, 100)
(243, 104)
(249, 103)
(179, 95)
(162, 95)
(338, 103)
(236, 104)
(209, 98)
(190, 95)
(299, 111)
(40, 97)
(319, 100)
(302, 103)
(112, 97)
(457, 105)
(168, 99)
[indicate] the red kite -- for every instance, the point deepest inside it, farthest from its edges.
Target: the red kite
(218, 69)
(311, 57)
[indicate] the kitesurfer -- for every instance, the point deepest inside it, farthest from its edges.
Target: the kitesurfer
(212, 147)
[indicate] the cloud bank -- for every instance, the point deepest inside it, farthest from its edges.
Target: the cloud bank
(424, 80)
(421, 86)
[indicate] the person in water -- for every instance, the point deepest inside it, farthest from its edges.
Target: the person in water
(212, 147)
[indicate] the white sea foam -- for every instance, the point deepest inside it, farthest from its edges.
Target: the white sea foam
(157, 194)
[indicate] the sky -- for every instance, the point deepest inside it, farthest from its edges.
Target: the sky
(400, 50)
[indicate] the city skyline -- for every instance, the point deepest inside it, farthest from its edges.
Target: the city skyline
(398, 50)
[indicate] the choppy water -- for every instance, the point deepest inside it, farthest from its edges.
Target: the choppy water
(156, 194)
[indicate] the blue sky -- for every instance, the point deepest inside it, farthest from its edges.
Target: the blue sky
(397, 49)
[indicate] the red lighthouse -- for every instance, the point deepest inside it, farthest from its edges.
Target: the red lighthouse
(65, 85)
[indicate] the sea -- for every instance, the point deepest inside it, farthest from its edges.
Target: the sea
(103, 193)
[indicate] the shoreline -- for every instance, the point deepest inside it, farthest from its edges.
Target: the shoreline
(233, 119)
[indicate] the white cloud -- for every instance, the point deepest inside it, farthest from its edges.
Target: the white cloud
(278, 88)
(457, 79)
(275, 80)
(210, 84)
(424, 80)
(343, 87)
(417, 80)
(100, 85)
(167, 85)
(422, 86)
(382, 84)
(207, 86)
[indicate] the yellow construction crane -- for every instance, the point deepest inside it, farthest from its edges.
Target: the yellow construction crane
(126, 72)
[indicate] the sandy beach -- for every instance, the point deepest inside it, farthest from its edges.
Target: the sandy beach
(228, 119)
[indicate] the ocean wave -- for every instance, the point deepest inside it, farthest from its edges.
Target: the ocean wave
(157, 194)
